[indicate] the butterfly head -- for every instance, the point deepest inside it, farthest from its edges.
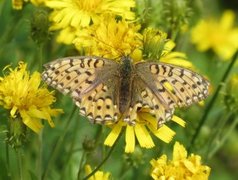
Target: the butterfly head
(126, 59)
(126, 65)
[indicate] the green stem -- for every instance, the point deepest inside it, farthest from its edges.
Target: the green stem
(40, 47)
(8, 161)
(58, 145)
(19, 163)
(212, 101)
(224, 138)
(124, 170)
(7, 151)
(39, 165)
(174, 34)
(218, 128)
(70, 153)
(81, 164)
(103, 161)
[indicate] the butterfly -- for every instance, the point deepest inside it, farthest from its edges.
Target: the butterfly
(106, 90)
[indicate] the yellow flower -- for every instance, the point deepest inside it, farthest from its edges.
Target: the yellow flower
(181, 167)
(99, 175)
(220, 36)
(156, 45)
(25, 98)
(18, 4)
(145, 123)
(111, 39)
(81, 13)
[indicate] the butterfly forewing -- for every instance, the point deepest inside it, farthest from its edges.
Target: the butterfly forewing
(91, 83)
(178, 86)
(169, 86)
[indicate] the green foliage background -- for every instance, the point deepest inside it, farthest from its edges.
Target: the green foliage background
(57, 152)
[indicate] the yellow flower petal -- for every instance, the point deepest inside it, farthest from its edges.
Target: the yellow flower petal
(111, 138)
(88, 170)
(99, 175)
(32, 123)
(190, 166)
(67, 35)
(168, 86)
(178, 120)
(146, 116)
(201, 103)
(13, 111)
(36, 113)
(169, 45)
(42, 114)
(227, 19)
(130, 139)
(177, 58)
(143, 136)
(136, 55)
(179, 152)
(164, 133)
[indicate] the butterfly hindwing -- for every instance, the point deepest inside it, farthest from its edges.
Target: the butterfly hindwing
(99, 105)
(144, 97)
(87, 80)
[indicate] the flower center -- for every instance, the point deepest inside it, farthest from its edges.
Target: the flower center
(87, 5)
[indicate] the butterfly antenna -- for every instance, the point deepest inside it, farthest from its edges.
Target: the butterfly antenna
(120, 52)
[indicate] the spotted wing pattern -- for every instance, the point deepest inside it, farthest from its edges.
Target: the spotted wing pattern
(89, 82)
(93, 83)
(144, 96)
(162, 87)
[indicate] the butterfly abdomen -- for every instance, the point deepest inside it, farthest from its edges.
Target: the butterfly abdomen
(125, 85)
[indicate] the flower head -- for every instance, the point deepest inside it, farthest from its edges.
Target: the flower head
(145, 123)
(220, 36)
(99, 175)
(181, 167)
(156, 45)
(40, 26)
(110, 38)
(82, 13)
(22, 94)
